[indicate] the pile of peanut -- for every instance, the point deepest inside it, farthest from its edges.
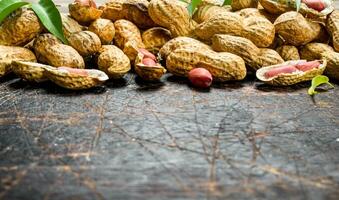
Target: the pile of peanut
(217, 43)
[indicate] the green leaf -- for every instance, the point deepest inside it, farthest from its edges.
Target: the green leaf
(298, 4)
(317, 81)
(50, 17)
(192, 6)
(227, 2)
(8, 6)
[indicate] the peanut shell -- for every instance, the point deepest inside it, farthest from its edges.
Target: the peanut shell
(148, 73)
(179, 43)
(86, 43)
(155, 38)
(288, 52)
(173, 15)
(30, 71)
(19, 28)
(70, 26)
(74, 81)
(135, 11)
(49, 50)
(332, 68)
(295, 29)
(332, 25)
(207, 11)
(104, 29)
(267, 57)
(10, 53)
(223, 66)
(259, 30)
(241, 4)
(313, 51)
(290, 79)
(113, 61)
(84, 14)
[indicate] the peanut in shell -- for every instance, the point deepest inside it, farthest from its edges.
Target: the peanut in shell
(173, 15)
(292, 78)
(332, 68)
(241, 4)
(154, 38)
(313, 51)
(30, 71)
(70, 26)
(84, 14)
(104, 29)
(113, 61)
(332, 25)
(19, 28)
(267, 57)
(86, 43)
(146, 72)
(223, 66)
(259, 30)
(205, 12)
(288, 52)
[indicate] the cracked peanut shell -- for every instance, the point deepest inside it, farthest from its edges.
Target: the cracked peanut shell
(11, 53)
(295, 29)
(86, 43)
(84, 14)
(292, 78)
(146, 72)
(179, 43)
(155, 38)
(113, 61)
(332, 25)
(19, 28)
(30, 71)
(288, 52)
(49, 50)
(135, 11)
(173, 15)
(75, 81)
(313, 51)
(223, 66)
(104, 29)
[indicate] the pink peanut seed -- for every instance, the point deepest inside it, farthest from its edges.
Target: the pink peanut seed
(317, 5)
(308, 65)
(147, 54)
(200, 77)
(81, 72)
(148, 62)
(287, 69)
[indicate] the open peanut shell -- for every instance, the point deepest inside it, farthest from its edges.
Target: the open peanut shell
(30, 71)
(146, 72)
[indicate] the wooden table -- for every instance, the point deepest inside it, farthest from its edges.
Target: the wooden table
(133, 140)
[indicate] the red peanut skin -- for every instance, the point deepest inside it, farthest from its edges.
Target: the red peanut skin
(280, 70)
(307, 65)
(200, 77)
(81, 72)
(89, 3)
(148, 62)
(315, 4)
(147, 54)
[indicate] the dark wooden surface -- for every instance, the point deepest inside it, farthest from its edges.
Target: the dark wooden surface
(132, 140)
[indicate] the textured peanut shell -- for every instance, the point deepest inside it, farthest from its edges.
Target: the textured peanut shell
(10, 53)
(173, 15)
(181, 42)
(128, 38)
(225, 23)
(290, 79)
(85, 42)
(75, 81)
(332, 25)
(236, 45)
(148, 73)
(155, 38)
(223, 66)
(113, 62)
(267, 57)
(49, 50)
(332, 68)
(84, 14)
(259, 30)
(104, 29)
(259, 12)
(30, 71)
(313, 51)
(295, 29)
(19, 28)
(241, 4)
(205, 12)
(288, 52)
(135, 11)
(70, 26)
(279, 7)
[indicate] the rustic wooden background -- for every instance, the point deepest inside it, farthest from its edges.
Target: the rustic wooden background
(133, 140)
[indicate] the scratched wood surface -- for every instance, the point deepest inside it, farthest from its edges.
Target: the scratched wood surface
(132, 140)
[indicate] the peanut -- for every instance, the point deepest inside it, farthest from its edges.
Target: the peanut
(313, 51)
(200, 77)
(207, 11)
(70, 26)
(332, 25)
(288, 52)
(241, 4)
(104, 29)
(84, 11)
(267, 57)
(86, 43)
(147, 68)
(30, 71)
(332, 68)
(155, 38)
